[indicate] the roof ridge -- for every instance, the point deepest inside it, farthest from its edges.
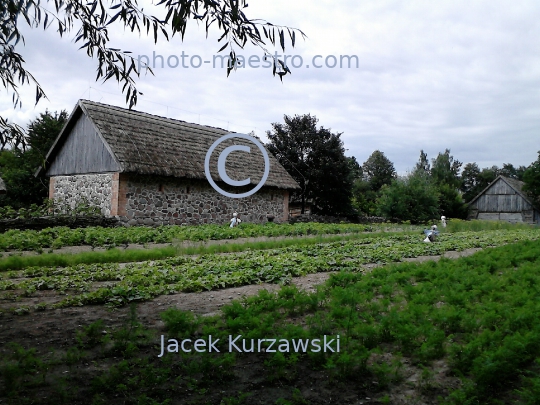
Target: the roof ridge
(152, 116)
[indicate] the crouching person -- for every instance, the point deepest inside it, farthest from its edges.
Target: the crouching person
(431, 234)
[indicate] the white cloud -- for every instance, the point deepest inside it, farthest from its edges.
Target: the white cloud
(432, 75)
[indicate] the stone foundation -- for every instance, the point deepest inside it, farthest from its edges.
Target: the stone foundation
(95, 189)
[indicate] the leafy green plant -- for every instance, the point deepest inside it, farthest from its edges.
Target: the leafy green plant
(98, 236)
(143, 281)
(91, 335)
(20, 364)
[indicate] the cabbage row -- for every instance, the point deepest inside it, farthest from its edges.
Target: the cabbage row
(54, 238)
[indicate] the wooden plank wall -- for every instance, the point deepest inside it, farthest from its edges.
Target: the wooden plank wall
(83, 152)
(501, 198)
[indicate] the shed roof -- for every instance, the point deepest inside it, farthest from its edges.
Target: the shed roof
(149, 144)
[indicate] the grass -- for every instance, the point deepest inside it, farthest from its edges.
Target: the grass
(477, 315)
(458, 225)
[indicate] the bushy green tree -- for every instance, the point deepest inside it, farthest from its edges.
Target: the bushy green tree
(378, 170)
(470, 181)
(364, 198)
(508, 170)
(355, 169)
(411, 198)
(423, 166)
(315, 158)
(17, 166)
(531, 178)
(445, 170)
(445, 175)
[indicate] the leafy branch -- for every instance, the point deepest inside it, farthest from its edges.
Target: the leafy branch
(93, 18)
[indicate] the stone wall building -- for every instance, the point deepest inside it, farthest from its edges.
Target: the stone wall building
(146, 169)
(504, 200)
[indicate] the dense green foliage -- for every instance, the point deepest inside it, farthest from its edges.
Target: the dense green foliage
(17, 167)
(378, 170)
(375, 172)
(142, 281)
(413, 198)
(51, 208)
(478, 315)
(531, 178)
(443, 174)
(315, 158)
(109, 237)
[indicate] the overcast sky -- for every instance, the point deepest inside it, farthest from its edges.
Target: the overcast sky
(431, 75)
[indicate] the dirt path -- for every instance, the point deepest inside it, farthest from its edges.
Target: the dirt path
(57, 328)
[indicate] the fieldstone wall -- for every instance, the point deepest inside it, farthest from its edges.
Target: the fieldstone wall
(93, 188)
(161, 200)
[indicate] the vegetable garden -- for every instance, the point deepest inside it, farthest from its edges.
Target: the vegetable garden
(83, 284)
(53, 238)
(400, 324)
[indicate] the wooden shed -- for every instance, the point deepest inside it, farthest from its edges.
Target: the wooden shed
(504, 200)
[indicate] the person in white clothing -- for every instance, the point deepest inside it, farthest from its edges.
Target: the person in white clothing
(235, 221)
(443, 221)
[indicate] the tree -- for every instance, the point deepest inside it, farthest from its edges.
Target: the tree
(354, 168)
(474, 180)
(422, 166)
(470, 181)
(42, 133)
(378, 170)
(315, 158)
(412, 198)
(94, 17)
(531, 178)
(445, 176)
(445, 170)
(18, 166)
(364, 198)
(509, 170)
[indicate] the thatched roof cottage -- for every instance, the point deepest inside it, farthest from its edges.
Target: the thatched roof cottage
(148, 169)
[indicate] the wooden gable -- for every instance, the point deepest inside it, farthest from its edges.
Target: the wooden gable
(500, 197)
(83, 151)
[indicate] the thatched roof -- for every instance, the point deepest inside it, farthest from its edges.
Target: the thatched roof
(149, 144)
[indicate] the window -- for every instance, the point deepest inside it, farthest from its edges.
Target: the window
(161, 188)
